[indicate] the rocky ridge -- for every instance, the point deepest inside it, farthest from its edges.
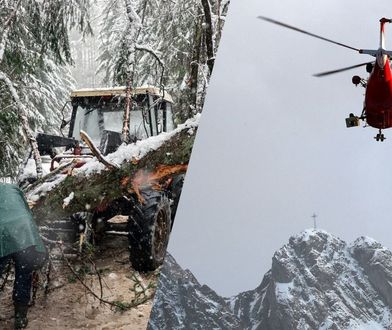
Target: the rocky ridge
(317, 281)
(181, 302)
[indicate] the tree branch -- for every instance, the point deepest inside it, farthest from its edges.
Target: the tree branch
(100, 189)
(156, 56)
(23, 115)
(152, 52)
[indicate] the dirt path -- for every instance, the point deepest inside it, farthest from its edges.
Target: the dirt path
(70, 306)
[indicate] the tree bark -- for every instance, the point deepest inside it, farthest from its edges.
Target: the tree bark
(135, 24)
(209, 33)
(187, 103)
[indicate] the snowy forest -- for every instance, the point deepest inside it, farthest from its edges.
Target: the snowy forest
(48, 48)
(108, 94)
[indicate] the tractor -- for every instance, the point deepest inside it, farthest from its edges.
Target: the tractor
(99, 115)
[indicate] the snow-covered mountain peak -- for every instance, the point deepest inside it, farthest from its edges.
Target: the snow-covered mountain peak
(311, 232)
(182, 303)
(308, 250)
(317, 239)
(316, 281)
(366, 242)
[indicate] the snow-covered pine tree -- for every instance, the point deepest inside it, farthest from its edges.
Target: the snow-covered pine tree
(34, 84)
(172, 37)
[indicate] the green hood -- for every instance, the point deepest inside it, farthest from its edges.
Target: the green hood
(17, 228)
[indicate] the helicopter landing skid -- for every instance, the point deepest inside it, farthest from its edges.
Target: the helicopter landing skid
(380, 136)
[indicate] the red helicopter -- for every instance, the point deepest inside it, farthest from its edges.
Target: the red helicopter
(377, 109)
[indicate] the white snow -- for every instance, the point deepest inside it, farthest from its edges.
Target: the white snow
(283, 291)
(254, 301)
(308, 233)
(365, 241)
(68, 199)
(369, 240)
(350, 283)
(137, 150)
(30, 170)
(327, 324)
(42, 190)
(369, 325)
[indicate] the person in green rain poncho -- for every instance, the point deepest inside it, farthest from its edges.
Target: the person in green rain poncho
(20, 242)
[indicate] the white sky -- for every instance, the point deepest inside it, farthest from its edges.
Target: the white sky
(273, 147)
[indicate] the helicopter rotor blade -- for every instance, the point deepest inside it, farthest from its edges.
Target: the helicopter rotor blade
(306, 32)
(327, 73)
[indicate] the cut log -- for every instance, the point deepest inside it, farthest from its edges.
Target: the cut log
(93, 190)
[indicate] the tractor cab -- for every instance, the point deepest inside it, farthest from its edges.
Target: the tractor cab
(100, 112)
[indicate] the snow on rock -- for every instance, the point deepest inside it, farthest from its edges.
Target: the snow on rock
(283, 291)
(317, 281)
(182, 303)
(376, 260)
(370, 325)
(366, 242)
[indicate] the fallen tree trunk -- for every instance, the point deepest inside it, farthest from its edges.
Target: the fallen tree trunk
(89, 190)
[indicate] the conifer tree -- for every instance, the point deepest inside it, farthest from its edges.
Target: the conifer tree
(170, 48)
(34, 48)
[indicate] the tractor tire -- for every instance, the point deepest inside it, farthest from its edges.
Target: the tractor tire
(149, 227)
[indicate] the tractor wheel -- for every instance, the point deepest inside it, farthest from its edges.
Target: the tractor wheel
(149, 230)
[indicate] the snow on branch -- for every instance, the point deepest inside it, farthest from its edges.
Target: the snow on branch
(155, 55)
(209, 33)
(133, 17)
(152, 52)
(25, 122)
(47, 197)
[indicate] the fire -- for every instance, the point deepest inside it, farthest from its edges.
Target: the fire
(143, 178)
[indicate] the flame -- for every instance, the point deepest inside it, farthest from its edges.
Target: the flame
(143, 178)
